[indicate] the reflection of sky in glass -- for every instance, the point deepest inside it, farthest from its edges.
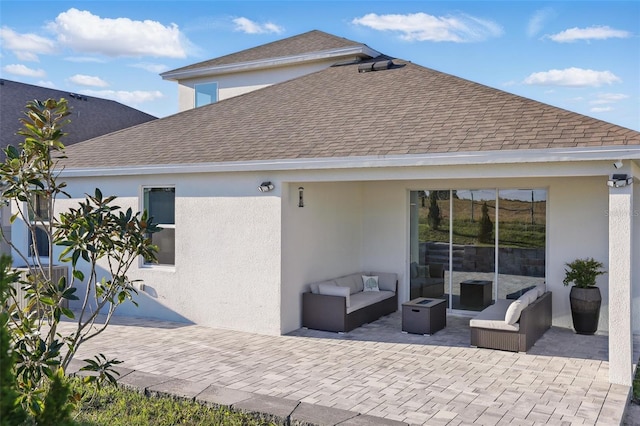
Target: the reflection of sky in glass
(505, 194)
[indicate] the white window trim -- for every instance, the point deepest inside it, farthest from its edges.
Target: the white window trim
(195, 93)
(141, 262)
(32, 254)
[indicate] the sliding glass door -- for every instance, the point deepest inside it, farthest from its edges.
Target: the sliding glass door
(471, 246)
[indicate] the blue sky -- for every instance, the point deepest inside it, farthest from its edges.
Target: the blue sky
(581, 56)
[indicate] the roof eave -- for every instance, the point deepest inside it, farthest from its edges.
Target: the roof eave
(419, 160)
(358, 51)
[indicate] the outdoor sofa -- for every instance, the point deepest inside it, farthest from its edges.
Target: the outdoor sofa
(513, 325)
(342, 304)
(426, 280)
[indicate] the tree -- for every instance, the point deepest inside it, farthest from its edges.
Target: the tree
(434, 217)
(485, 234)
(11, 412)
(95, 236)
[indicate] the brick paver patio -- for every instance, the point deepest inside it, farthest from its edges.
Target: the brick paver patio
(379, 371)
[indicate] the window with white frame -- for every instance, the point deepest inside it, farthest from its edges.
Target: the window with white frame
(39, 218)
(160, 203)
(206, 93)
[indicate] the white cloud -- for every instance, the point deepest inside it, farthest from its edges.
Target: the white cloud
(26, 47)
(133, 98)
(85, 32)
(85, 59)
(154, 68)
(608, 98)
(19, 69)
(46, 83)
(88, 80)
(538, 20)
(250, 27)
(590, 33)
(572, 77)
(601, 109)
(424, 27)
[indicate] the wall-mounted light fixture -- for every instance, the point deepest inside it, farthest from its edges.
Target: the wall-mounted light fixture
(265, 186)
(619, 181)
(300, 197)
(618, 164)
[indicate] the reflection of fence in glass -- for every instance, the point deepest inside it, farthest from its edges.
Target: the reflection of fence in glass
(522, 216)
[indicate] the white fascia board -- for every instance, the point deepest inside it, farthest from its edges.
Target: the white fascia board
(420, 160)
(269, 63)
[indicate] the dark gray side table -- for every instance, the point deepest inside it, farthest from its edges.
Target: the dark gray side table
(476, 293)
(424, 316)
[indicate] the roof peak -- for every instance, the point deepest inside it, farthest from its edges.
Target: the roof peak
(301, 46)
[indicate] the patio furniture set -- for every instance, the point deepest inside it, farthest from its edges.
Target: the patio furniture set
(345, 303)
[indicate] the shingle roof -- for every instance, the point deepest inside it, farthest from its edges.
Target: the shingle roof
(339, 112)
(312, 41)
(90, 116)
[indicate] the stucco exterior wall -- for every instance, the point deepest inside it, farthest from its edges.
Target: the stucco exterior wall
(230, 85)
(635, 261)
(243, 258)
(228, 240)
(321, 240)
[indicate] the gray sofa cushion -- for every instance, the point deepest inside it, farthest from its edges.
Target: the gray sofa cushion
(493, 317)
(314, 286)
(386, 280)
(353, 281)
(366, 298)
(334, 290)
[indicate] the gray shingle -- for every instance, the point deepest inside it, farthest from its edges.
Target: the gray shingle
(338, 112)
(90, 117)
(312, 41)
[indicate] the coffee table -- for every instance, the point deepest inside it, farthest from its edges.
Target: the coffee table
(476, 293)
(424, 316)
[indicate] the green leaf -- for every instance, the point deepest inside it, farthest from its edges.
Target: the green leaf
(47, 300)
(78, 274)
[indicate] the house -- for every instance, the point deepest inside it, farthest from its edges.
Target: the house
(317, 174)
(90, 117)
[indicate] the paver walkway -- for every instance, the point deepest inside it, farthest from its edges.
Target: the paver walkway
(378, 371)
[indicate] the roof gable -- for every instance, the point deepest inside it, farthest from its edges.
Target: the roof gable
(341, 112)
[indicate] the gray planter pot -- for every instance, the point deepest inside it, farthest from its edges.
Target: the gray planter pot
(585, 309)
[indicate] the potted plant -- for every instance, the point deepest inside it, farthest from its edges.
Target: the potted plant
(585, 297)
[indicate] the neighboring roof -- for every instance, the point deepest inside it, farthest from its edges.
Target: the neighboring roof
(309, 44)
(90, 116)
(340, 112)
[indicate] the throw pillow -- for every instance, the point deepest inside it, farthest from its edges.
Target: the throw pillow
(370, 283)
(334, 290)
(532, 295)
(513, 312)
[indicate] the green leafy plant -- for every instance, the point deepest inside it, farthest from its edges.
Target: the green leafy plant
(583, 272)
(97, 232)
(11, 412)
(434, 217)
(485, 233)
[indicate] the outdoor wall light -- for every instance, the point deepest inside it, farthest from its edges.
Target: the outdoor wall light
(300, 197)
(265, 186)
(619, 181)
(618, 164)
